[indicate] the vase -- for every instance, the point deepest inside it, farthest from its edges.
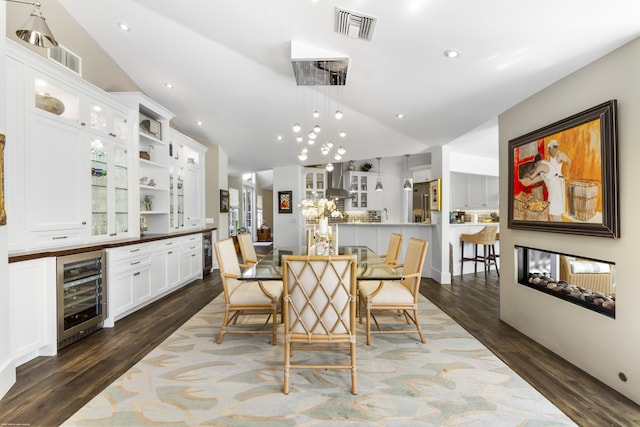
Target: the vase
(323, 225)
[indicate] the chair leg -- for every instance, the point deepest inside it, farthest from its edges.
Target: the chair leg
(485, 259)
(475, 261)
(354, 382)
(461, 257)
(415, 318)
(274, 312)
(368, 323)
(287, 366)
(225, 322)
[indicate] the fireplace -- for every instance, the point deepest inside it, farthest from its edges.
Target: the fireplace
(587, 282)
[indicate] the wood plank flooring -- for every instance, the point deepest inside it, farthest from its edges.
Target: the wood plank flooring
(51, 389)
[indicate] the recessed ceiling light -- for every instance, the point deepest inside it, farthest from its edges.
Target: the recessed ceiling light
(123, 26)
(279, 137)
(400, 116)
(199, 123)
(168, 85)
(451, 53)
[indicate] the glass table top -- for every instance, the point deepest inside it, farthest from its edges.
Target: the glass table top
(369, 265)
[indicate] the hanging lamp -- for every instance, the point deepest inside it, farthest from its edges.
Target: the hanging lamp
(379, 183)
(407, 183)
(35, 31)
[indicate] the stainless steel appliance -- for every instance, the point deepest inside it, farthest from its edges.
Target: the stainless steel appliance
(81, 295)
(207, 252)
(421, 211)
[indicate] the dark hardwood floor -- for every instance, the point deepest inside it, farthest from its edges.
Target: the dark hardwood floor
(51, 389)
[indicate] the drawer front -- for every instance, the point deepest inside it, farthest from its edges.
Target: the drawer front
(128, 252)
(54, 238)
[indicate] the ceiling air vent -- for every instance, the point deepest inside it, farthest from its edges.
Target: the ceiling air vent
(354, 24)
(66, 58)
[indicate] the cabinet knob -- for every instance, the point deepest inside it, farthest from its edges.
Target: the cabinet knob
(84, 222)
(83, 124)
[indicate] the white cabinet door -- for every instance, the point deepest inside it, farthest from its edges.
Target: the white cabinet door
(477, 186)
(459, 191)
(32, 308)
(141, 283)
(493, 195)
(57, 182)
(165, 272)
(191, 259)
(120, 294)
(193, 198)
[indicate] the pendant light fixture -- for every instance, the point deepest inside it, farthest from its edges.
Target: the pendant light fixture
(35, 31)
(379, 183)
(407, 183)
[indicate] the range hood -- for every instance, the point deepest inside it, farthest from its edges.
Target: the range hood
(335, 190)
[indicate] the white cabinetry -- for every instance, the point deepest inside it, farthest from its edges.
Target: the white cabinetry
(186, 182)
(469, 191)
(58, 121)
(165, 273)
(129, 279)
(141, 273)
(56, 183)
(191, 257)
(315, 180)
(32, 309)
(152, 137)
(361, 186)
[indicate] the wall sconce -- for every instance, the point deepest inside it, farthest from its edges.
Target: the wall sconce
(35, 31)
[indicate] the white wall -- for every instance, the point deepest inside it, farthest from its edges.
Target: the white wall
(287, 228)
(7, 368)
(601, 346)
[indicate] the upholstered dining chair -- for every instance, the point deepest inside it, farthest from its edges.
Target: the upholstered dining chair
(318, 307)
(245, 297)
(393, 250)
(395, 295)
(248, 252)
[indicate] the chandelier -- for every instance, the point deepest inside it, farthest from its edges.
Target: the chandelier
(321, 110)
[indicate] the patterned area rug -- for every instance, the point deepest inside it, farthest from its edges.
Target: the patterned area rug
(189, 380)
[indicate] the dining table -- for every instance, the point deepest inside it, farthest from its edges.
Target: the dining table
(370, 266)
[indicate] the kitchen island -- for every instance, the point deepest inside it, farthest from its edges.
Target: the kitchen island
(376, 236)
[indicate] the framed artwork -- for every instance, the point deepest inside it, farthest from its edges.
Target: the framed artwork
(3, 213)
(434, 195)
(564, 177)
(284, 202)
(224, 201)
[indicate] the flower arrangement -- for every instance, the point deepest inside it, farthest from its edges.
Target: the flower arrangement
(319, 208)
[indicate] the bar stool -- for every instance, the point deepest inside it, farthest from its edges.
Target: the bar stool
(487, 238)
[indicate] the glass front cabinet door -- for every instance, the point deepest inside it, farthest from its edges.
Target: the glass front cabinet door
(110, 205)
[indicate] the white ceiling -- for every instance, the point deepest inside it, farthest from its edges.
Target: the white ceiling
(229, 62)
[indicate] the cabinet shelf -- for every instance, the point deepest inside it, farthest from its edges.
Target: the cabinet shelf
(153, 213)
(151, 163)
(151, 139)
(149, 187)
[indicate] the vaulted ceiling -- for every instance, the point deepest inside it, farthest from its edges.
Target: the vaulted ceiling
(230, 66)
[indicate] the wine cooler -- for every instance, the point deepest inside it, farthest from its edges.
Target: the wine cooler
(81, 296)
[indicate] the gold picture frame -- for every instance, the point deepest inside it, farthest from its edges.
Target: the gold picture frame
(3, 213)
(435, 201)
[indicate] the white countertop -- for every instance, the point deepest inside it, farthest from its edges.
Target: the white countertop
(396, 224)
(474, 223)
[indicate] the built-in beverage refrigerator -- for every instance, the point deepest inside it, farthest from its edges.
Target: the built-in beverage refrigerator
(81, 295)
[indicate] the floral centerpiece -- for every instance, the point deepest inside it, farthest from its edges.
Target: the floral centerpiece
(321, 209)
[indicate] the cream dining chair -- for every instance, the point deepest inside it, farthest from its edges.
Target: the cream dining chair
(318, 307)
(393, 250)
(247, 250)
(395, 295)
(245, 297)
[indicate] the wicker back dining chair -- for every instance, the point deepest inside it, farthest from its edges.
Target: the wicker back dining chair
(393, 251)
(247, 251)
(396, 296)
(318, 307)
(245, 297)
